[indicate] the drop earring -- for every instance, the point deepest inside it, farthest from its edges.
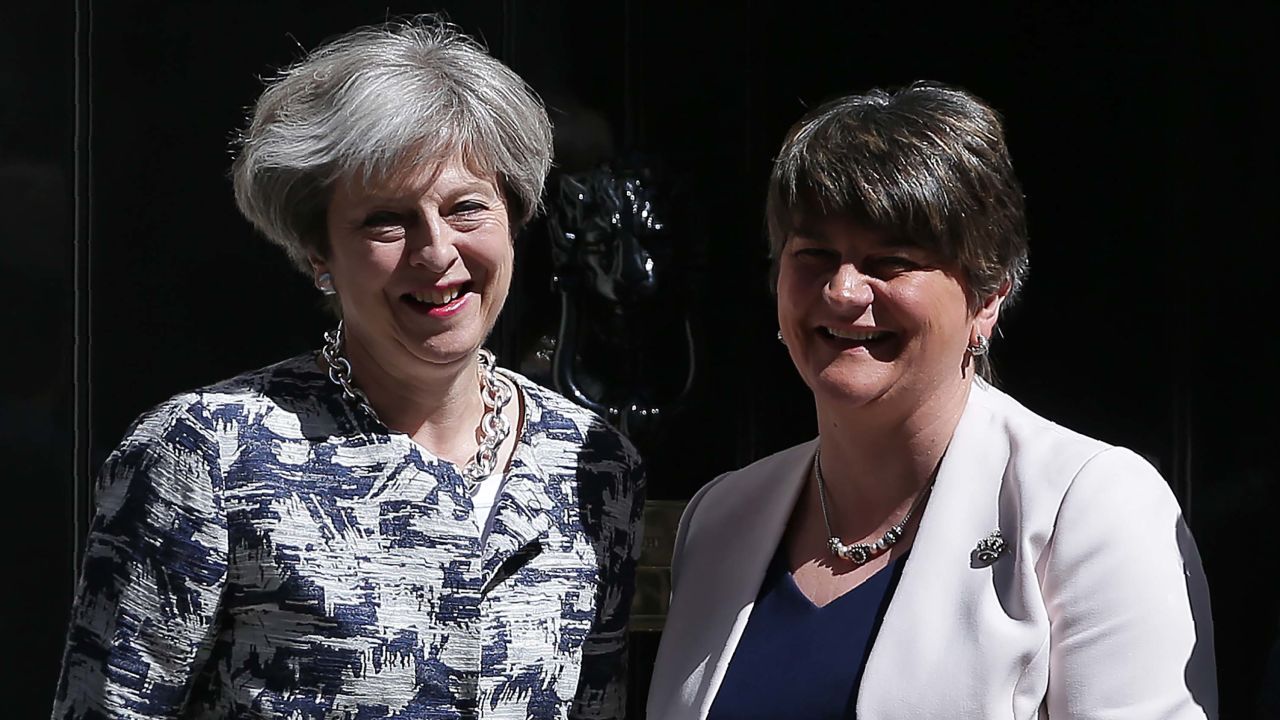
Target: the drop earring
(324, 283)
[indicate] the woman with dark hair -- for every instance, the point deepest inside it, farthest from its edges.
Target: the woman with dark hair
(939, 550)
(390, 526)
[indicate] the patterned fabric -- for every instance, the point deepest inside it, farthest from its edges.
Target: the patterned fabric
(263, 549)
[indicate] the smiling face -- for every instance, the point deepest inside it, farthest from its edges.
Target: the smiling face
(869, 321)
(421, 265)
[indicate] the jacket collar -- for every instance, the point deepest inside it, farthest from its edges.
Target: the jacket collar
(965, 507)
(760, 502)
(524, 510)
(522, 515)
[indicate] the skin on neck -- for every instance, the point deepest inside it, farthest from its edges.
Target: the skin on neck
(438, 405)
(878, 457)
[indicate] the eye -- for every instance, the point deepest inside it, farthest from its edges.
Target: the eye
(812, 252)
(386, 225)
(890, 265)
(382, 218)
(466, 208)
(467, 214)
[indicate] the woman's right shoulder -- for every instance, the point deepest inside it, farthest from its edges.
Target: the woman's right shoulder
(192, 419)
(738, 490)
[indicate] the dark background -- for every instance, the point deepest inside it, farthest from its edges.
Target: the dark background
(1139, 134)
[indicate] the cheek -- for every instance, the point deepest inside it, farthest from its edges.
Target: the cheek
(501, 258)
(369, 260)
(790, 292)
(945, 313)
(787, 307)
(362, 270)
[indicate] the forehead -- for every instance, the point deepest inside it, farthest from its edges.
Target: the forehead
(846, 230)
(415, 178)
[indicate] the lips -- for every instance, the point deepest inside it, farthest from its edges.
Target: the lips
(437, 297)
(855, 335)
(847, 338)
(438, 301)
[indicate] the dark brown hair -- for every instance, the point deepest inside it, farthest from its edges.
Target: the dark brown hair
(927, 164)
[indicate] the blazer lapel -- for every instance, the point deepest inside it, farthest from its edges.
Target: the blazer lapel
(933, 615)
(522, 515)
(721, 573)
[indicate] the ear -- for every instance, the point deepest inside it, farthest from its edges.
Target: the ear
(318, 264)
(984, 320)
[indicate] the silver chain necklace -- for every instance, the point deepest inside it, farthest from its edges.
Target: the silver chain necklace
(861, 553)
(494, 426)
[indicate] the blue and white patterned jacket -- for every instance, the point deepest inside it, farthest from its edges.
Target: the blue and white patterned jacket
(263, 549)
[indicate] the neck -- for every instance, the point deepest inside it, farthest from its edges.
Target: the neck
(439, 406)
(877, 459)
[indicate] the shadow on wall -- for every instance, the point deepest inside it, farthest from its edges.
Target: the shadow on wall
(36, 427)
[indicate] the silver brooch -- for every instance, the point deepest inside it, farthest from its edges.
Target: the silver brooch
(989, 549)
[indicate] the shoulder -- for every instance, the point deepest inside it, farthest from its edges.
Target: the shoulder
(190, 422)
(297, 380)
(1044, 457)
(749, 478)
(554, 419)
(567, 440)
(1115, 552)
(1089, 481)
(739, 493)
(1120, 490)
(1027, 431)
(294, 386)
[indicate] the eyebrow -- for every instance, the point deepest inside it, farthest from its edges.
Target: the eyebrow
(485, 186)
(888, 241)
(896, 242)
(810, 231)
(392, 198)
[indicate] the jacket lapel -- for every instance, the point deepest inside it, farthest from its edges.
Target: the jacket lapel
(522, 515)
(937, 607)
(722, 574)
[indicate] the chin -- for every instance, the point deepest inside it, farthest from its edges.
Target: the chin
(845, 391)
(850, 390)
(442, 349)
(851, 397)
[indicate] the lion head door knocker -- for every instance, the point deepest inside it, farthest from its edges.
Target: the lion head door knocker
(625, 344)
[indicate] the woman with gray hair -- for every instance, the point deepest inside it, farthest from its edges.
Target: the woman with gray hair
(938, 551)
(391, 526)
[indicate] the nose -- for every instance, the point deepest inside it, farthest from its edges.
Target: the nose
(432, 246)
(849, 288)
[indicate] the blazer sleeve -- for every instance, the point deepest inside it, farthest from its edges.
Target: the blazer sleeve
(1130, 629)
(602, 685)
(142, 622)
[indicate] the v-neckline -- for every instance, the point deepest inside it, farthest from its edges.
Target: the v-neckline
(880, 579)
(362, 421)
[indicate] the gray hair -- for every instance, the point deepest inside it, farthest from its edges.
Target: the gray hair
(373, 102)
(928, 164)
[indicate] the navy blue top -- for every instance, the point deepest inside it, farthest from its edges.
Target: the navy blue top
(799, 660)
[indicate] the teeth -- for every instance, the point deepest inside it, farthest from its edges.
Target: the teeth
(438, 297)
(854, 335)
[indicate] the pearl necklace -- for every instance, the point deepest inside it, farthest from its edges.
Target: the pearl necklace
(861, 553)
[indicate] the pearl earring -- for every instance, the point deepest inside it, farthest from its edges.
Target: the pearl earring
(324, 283)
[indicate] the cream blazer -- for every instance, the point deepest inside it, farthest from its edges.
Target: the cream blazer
(1097, 608)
